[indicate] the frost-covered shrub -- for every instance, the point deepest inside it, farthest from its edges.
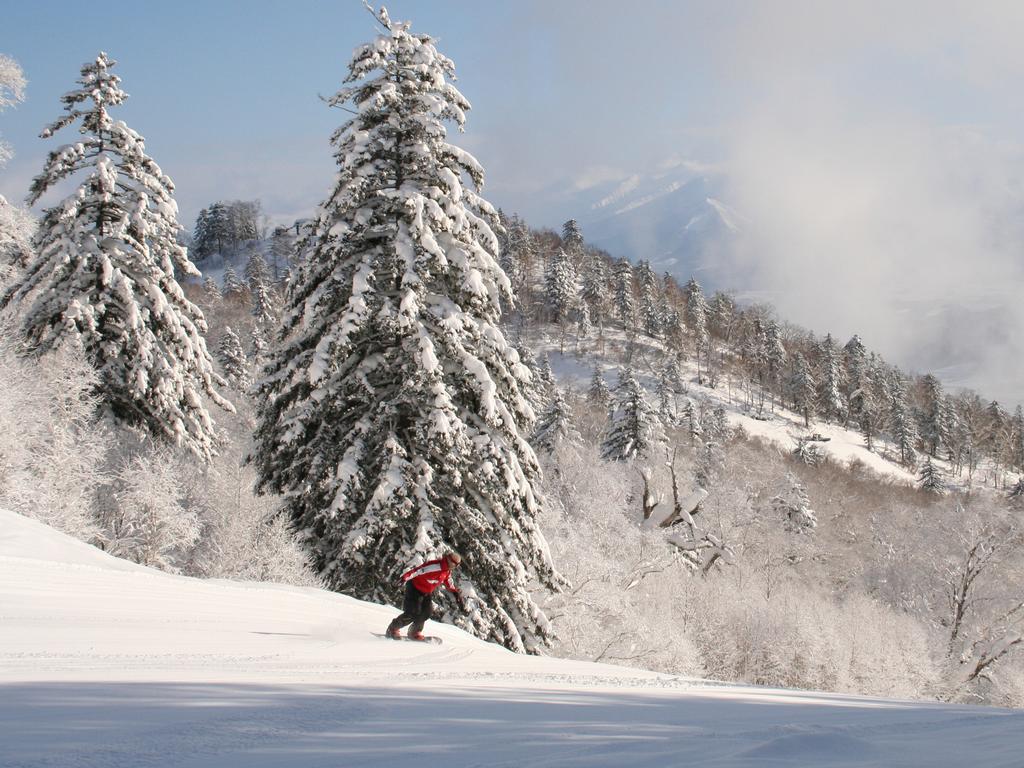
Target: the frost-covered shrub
(16, 230)
(242, 536)
(622, 605)
(144, 517)
(51, 449)
(802, 638)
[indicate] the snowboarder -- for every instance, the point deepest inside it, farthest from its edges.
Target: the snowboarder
(420, 583)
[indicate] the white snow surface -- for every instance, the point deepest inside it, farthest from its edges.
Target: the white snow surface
(105, 663)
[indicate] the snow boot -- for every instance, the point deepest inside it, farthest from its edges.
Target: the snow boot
(394, 633)
(417, 636)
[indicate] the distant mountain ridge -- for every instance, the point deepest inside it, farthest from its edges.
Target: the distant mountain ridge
(680, 220)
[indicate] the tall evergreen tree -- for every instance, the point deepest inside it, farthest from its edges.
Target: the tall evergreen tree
(572, 243)
(930, 419)
(282, 252)
(697, 317)
(595, 292)
(802, 389)
(392, 406)
(264, 301)
(104, 269)
(560, 287)
(930, 478)
(625, 305)
(233, 287)
(721, 313)
(775, 351)
(647, 285)
(869, 415)
(599, 394)
(831, 402)
(233, 360)
(631, 430)
(855, 359)
(584, 328)
(902, 426)
(555, 427)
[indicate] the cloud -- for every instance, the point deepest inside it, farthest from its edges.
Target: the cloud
(870, 151)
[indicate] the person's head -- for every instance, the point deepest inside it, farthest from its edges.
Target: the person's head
(454, 558)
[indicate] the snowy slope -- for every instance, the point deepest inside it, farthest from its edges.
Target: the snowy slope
(107, 664)
(779, 427)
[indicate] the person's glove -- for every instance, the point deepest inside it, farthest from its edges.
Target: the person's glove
(461, 601)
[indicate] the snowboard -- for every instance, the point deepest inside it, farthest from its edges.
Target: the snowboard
(426, 639)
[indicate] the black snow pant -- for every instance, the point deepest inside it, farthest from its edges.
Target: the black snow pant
(416, 609)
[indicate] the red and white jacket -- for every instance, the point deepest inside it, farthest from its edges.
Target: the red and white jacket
(431, 575)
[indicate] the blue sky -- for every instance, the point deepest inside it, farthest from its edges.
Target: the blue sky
(873, 148)
(226, 92)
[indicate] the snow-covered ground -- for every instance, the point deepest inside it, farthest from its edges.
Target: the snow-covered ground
(778, 425)
(104, 663)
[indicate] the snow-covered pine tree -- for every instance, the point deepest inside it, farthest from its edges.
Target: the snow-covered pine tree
(258, 344)
(625, 306)
(668, 386)
(282, 249)
(595, 289)
(256, 269)
(710, 464)
(265, 309)
(392, 406)
(545, 376)
(211, 290)
(755, 355)
(232, 286)
(672, 330)
(831, 402)
(696, 315)
(930, 424)
(808, 452)
(689, 419)
(802, 390)
(647, 285)
(201, 239)
(218, 235)
(560, 287)
(631, 428)
(901, 424)
(599, 394)
(721, 314)
(555, 426)
(869, 415)
(930, 477)
(518, 258)
(103, 273)
(233, 360)
(531, 386)
(583, 326)
(572, 243)
(776, 353)
(855, 357)
(795, 507)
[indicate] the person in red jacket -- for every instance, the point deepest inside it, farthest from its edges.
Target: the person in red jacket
(420, 583)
